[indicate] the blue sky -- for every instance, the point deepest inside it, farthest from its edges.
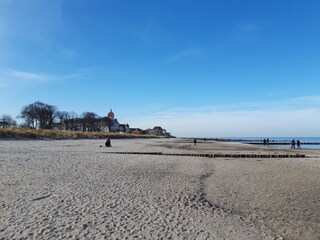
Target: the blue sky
(198, 68)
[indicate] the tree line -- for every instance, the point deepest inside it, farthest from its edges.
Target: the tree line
(45, 116)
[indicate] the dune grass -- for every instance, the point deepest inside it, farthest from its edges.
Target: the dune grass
(20, 133)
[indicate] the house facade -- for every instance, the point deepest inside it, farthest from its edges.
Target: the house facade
(4, 124)
(136, 131)
(157, 131)
(115, 126)
(107, 123)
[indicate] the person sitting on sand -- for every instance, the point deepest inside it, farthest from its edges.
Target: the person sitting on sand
(108, 143)
(293, 143)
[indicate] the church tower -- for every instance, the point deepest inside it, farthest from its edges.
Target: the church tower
(111, 115)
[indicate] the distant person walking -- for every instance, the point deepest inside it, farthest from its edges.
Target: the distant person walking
(268, 141)
(298, 144)
(293, 143)
(264, 141)
(195, 141)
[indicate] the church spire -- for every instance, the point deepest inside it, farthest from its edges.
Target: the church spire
(111, 114)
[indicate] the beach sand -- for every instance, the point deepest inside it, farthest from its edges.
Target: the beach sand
(75, 189)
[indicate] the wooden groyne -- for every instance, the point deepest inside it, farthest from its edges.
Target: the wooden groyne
(216, 155)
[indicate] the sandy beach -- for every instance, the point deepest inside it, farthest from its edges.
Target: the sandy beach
(74, 189)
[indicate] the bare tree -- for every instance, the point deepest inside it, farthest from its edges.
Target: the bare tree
(62, 117)
(72, 121)
(39, 114)
(89, 121)
(28, 113)
(8, 119)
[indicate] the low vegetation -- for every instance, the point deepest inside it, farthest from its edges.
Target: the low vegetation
(20, 133)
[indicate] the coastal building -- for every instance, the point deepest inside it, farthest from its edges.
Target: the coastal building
(124, 128)
(108, 123)
(115, 126)
(4, 124)
(157, 131)
(136, 131)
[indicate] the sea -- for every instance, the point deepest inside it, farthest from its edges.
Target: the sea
(281, 139)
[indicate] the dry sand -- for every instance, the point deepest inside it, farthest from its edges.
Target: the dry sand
(74, 189)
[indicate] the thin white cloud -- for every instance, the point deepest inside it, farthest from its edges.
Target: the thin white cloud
(16, 78)
(28, 76)
(234, 106)
(263, 120)
(247, 32)
(237, 124)
(186, 54)
(34, 22)
(276, 93)
(314, 99)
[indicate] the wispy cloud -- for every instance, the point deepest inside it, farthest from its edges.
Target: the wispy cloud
(28, 76)
(314, 99)
(33, 23)
(275, 93)
(247, 31)
(15, 78)
(264, 119)
(187, 53)
(288, 104)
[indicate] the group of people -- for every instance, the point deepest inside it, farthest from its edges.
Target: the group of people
(266, 141)
(294, 143)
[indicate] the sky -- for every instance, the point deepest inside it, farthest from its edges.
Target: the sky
(198, 68)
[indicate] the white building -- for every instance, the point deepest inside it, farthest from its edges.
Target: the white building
(115, 126)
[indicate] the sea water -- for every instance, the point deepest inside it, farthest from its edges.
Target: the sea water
(283, 139)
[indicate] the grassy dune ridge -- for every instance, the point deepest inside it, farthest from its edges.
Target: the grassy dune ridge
(19, 133)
